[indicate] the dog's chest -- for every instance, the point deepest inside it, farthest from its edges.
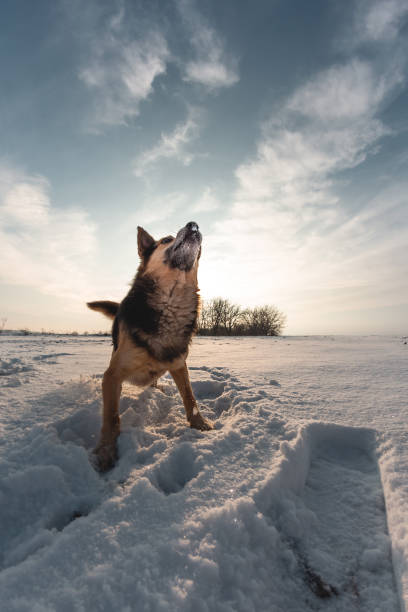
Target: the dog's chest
(178, 312)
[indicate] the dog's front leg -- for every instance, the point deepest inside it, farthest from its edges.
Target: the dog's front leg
(194, 416)
(106, 451)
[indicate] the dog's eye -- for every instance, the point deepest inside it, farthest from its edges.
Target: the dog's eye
(167, 240)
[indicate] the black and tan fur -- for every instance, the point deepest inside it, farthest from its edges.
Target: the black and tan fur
(152, 329)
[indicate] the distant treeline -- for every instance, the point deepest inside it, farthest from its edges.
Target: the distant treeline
(219, 317)
(28, 332)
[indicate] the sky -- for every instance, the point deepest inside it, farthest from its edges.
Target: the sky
(280, 127)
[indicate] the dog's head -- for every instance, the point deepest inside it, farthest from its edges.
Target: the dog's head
(170, 254)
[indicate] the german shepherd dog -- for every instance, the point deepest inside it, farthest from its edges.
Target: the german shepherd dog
(152, 329)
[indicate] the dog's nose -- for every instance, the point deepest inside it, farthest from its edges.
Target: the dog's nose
(192, 226)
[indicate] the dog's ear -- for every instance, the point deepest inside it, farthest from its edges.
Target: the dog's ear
(145, 242)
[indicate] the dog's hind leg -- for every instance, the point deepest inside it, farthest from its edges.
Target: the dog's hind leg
(194, 416)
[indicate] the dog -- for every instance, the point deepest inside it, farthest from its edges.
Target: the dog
(152, 330)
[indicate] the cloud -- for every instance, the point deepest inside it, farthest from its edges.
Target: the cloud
(212, 66)
(27, 203)
(377, 23)
(345, 92)
(207, 202)
(326, 126)
(123, 62)
(121, 71)
(128, 52)
(156, 209)
(380, 20)
(173, 145)
(41, 246)
(288, 234)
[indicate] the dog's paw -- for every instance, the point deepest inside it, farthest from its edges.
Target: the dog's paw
(105, 456)
(197, 421)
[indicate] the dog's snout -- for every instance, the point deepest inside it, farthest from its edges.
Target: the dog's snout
(192, 226)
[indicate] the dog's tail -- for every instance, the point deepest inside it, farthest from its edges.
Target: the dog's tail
(109, 309)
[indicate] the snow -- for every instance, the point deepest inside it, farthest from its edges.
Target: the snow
(296, 501)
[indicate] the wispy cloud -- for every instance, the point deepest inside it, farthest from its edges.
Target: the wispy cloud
(314, 137)
(123, 63)
(41, 246)
(380, 20)
(172, 145)
(212, 66)
(156, 210)
(121, 71)
(207, 201)
(345, 92)
(329, 124)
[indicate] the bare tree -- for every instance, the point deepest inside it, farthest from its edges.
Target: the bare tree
(221, 317)
(2, 324)
(264, 321)
(217, 314)
(232, 316)
(204, 319)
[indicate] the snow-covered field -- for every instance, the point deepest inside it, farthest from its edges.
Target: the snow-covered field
(297, 501)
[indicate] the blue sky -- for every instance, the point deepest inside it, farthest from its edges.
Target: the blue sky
(280, 127)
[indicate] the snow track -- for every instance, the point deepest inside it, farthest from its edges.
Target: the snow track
(268, 512)
(333, 518)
